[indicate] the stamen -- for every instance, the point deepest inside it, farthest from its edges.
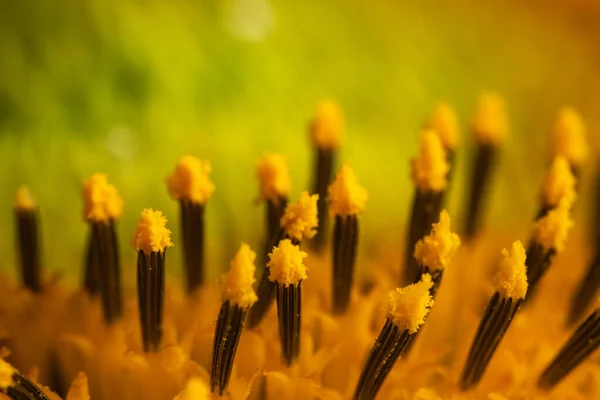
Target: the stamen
(433, 254)
(26, 216)
(102, 208)
(287, 270)
(327, 134)
(274, 188)
(17, 386)
(435, 251)
(151, 239)
(299, 221)
(429, 174)
(407, 310)
(549, 237)
(582, 343)
(346, 200)
(238, 298)
(445, 123)
(511, 287)
(568, 139)
(190, 185)
(559, 184)
(490, 128)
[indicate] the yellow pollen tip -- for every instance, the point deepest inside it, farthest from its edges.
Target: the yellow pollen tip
(189, 181)
(490, 125)
(568, 137)
(195, 389)
(511, 278)
(430, 168)
(552, 230)
(24, 200)
(240, 278)
(273, 177)
(346, 196)
(6, 374)
(79, 388)
(300, 219)
(151, 233)
(445, 123)
(436, 250)
(559, 183)
(101, 200)
(409, 306)
(327, 128)
(286, 265)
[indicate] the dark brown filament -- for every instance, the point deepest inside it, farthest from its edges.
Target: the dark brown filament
(345, 242)
(151, 285)
(230, 324)
(28, 249)
(192, 232)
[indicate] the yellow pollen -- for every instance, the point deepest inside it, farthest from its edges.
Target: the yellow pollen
(327, 128)
(240, 278)
(511, 278)
(6, 374)
(79, 388)
(286, 265)
(189, 181)
(559, 183)
(24, 200)
(273, 177)
(568, 137)
(195, 389)
(101, 200)
(409, 306)
(151, 233)
(552, 230)
(300, 219)
(436, 250)
(490, 125)
(430, 168)
(346, 196)
(445, 123)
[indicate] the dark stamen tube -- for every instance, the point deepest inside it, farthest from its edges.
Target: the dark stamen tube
(190, 185)
(151, 240)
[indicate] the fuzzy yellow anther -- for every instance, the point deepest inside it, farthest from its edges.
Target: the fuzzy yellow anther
(346, 196)
(24, 200)
(6, 374)
(436, 250)
(286, 265)
(511, 278)
(552, 230)
(327, 128)
(445, 123)
(300, 219)
(195, 389)
(490, 125)
(151, 233)
(559, 183)
(430, 168)
(101, 200)
(568, 137)
(189, 181)
(273, 177)
(409, 306)
(79, 389)
(237, 283)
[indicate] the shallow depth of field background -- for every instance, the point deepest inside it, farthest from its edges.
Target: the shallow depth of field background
(127, 87)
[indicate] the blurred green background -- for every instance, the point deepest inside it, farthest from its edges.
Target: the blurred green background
(127, 87)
